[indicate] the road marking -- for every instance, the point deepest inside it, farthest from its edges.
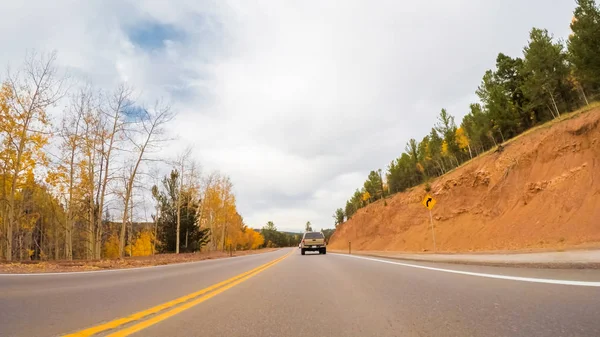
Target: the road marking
(158, 318)
(495, 276)
(129, 269)
(194, 297)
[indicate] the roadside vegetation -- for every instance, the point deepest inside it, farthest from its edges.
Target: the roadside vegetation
(82, 175)
(275, 238)
(550, 79)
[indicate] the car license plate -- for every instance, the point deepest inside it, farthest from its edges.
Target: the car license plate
(314, 247)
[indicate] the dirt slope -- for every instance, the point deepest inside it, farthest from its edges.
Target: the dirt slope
(542, 191)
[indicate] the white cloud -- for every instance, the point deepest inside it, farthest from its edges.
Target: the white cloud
(295, 100)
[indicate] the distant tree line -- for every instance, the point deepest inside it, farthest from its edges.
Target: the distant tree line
(552, 77)
(275, 238)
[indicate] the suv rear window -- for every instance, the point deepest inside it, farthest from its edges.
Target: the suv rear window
(315, 235)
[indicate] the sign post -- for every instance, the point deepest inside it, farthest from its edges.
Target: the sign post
(432, 231)
(349, 247)
(429, 202)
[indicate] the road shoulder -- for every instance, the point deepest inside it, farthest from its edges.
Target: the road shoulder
(44, 267)
(580, 259)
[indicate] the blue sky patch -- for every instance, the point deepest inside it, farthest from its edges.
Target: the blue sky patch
(133, 112)
(151, 35)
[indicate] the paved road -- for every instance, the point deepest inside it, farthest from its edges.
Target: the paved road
(311, 295)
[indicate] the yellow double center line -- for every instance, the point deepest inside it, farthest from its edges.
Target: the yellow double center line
(171, 308)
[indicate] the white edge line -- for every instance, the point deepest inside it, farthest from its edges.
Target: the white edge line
(495, 276)
(128, 269)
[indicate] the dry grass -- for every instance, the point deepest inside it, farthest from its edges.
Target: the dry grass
(131, 262)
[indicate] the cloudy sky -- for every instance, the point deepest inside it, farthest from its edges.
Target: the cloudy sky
(295, 100)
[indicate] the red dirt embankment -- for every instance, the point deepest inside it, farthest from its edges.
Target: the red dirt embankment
(542, 191)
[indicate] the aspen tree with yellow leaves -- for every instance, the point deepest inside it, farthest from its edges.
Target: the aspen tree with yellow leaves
(68, 191)
(90, 167)
(463, 141)
(26, 94)
(146, 137)
(111, 135)
(66, 175)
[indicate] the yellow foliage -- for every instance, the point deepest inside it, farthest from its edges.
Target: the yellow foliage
(420, 168)
(461, 139)
(111, 247)
(219, 213)
(444, 148)
(366, 196)
(142, 246)
(23, 126)
(228, 242)
(17, 124)
(258, 240)
(250, 239)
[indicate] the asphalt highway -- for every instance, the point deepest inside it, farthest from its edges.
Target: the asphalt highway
(282, 293)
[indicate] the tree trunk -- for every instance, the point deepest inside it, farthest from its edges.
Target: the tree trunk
(69, 220)
(2, 239)
(493, 140)
(131, 237)
(20, 246)
(68, 241)
(99, 212)
(456, 161)
(98, 235)
(12, 221)
(90, 244)
(555, 106)
(155, 231)
(213, 245)
(224, 234)
(121, 98)
(129, 187)
(179, 210)
(470, 153)
(583, 94)
(41, 239)
(9, 229)
(55, 242)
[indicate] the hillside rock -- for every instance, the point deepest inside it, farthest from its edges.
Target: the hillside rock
(541, 191)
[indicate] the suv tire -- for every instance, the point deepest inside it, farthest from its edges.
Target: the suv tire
(302, 251)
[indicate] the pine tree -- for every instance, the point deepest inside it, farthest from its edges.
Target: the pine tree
(583, 44)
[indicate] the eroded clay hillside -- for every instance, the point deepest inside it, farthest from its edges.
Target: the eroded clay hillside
(542, 191)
